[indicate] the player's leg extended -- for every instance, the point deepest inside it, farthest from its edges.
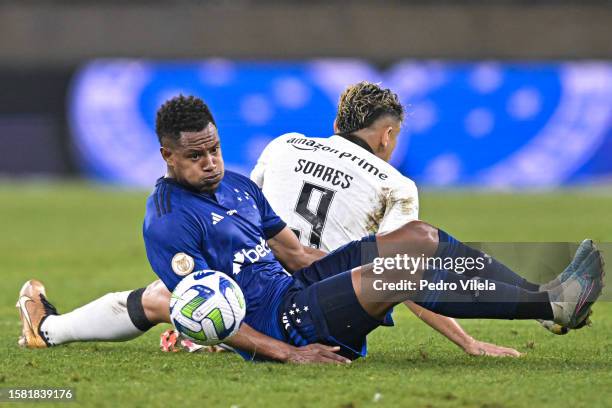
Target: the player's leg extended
(117, 316)
(418, 238)
(569, 303)
(504, 302)
(431, 241)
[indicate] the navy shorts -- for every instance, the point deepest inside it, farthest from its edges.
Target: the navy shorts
(322, 306)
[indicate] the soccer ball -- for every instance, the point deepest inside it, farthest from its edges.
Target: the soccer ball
(207, 307)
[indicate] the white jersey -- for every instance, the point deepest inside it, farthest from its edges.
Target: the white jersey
(331, 191)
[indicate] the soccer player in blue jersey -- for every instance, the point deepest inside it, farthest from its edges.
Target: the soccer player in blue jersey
(203, 217)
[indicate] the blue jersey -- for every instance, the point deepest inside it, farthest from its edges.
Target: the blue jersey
(225, 231)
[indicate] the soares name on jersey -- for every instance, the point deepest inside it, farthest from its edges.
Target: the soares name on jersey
(325, 173)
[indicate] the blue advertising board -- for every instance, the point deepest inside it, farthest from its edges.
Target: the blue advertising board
(487, 124)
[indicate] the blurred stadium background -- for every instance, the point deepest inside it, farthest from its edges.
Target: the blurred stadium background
(500, 93)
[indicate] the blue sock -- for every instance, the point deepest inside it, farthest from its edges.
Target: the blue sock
(505, 301)
(449, 247)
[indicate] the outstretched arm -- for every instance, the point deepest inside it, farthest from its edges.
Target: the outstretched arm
(449, 328)
(258, 344)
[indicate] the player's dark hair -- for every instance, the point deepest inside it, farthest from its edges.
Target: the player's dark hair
(182, 114)
(362, 104)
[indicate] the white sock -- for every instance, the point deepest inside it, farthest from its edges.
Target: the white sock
(104, 319)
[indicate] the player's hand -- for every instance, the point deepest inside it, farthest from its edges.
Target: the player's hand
(480, 348)
(316, 353)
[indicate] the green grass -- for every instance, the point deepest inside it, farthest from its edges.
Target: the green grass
(50, 233)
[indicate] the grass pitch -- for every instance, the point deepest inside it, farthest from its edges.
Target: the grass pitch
(83, 242)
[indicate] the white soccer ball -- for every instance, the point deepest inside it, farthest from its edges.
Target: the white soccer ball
(207, 307)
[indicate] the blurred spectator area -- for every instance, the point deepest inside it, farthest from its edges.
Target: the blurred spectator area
(34, 32)
(43, 42)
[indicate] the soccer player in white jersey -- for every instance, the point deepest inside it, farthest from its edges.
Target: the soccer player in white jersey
(334, 190)
(124, 315)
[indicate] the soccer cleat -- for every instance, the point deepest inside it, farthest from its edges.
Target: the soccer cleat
(572, 300)
(559, 330)
(584, 249)
(34, 308)
(553, 327)
(171, 342)
(168, 340)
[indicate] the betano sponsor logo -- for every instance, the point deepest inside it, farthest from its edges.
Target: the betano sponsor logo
(251, 255)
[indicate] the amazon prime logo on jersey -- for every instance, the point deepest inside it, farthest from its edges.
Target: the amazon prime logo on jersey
(249, 256)
(301, 143)
(364, 163)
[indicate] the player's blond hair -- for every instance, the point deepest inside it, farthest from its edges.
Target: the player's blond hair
(363, 103)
